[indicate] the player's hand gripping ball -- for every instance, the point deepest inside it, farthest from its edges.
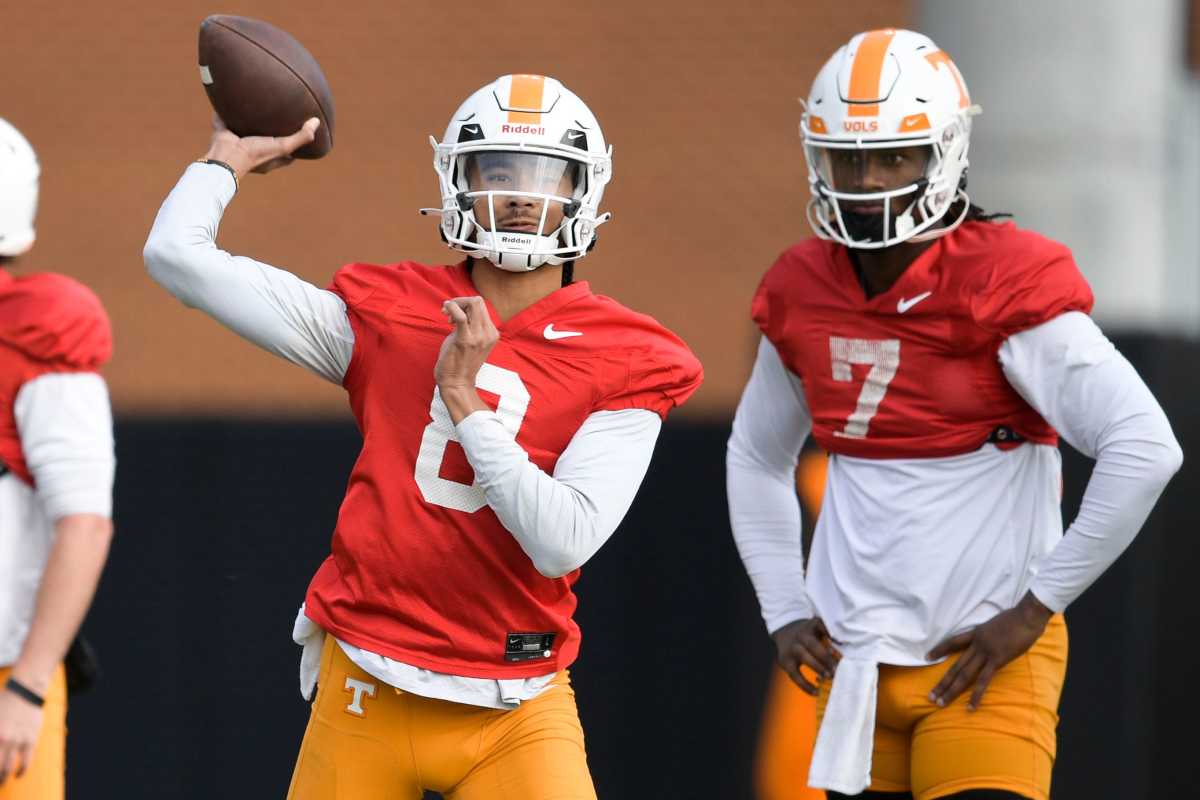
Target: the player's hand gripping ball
(262, 82)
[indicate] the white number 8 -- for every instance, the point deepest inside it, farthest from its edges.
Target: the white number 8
(514, 402)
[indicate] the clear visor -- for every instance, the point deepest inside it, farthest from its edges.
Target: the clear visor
(868, 171)
(527, 173)
(519, 192)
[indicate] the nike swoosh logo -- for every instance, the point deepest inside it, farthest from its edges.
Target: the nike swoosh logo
(904, 305)
(471, 128)
(574, 135)
(552, 334)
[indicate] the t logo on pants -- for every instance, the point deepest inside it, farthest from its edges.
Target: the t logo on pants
(358, 689)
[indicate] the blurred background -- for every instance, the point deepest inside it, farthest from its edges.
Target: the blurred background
(232, 463)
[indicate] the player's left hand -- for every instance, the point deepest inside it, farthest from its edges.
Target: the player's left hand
(20, 724)
(463, 353)
(986, 649)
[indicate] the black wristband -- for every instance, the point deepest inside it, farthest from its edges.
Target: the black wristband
(232, 171)
(24, 692)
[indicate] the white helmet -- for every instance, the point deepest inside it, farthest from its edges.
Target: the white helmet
(18, 191)
(535, 142)
(888, 89)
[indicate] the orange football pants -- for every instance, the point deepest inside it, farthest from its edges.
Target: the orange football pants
(785, 741)
(369, 741)
(45, 775)
(1008, 743)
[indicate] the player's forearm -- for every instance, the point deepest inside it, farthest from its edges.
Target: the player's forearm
(181, 251)
(765, 517)
(68, 584)
(769, 430)
(461, 402)
(1073, 376)
(560, 521)
(267, 306)
(1126, 482)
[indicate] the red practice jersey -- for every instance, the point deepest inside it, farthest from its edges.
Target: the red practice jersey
(913, 372)
(422, 571)
(48, 323)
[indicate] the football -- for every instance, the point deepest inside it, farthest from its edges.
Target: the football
(262, 82)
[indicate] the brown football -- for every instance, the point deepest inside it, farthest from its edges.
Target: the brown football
(262, 82)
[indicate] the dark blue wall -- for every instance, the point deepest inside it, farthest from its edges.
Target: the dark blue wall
(220, 525)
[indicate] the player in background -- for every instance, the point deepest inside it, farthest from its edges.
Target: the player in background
(56, 477)
(937, 354)
(508, 416)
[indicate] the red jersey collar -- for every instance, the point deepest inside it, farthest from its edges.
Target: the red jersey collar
(529, 315)
(914, 280)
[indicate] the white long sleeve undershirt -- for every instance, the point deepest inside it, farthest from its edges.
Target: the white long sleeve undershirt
(908, 551)
(770, 427)
(65, 426)
(1065, 369)
(1074, 377)
(560, 521)
(64, 422)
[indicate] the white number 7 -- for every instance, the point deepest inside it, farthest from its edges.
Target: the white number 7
(884, 357)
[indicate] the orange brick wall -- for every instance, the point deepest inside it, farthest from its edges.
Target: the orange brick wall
(699, 104)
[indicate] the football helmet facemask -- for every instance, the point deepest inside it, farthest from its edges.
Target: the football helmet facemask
(522, 167)
(886, 97)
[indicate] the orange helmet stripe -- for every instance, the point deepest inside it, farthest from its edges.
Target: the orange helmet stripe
(526, 93)
(942, 57)
(867, 72)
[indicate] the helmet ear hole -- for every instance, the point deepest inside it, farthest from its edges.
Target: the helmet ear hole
(571, 209)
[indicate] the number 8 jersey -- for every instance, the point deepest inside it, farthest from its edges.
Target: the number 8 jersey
(913, 372)
(422, 570)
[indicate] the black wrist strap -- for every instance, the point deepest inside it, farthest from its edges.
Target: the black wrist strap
(24, 692)
(232, 171)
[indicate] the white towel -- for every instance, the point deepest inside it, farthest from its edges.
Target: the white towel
(842, 757)
(311, 637)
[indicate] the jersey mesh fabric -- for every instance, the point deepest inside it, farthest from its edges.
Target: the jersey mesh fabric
(913, 371)
(48, 323)
(422, 570)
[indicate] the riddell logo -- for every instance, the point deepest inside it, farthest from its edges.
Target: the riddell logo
(513, 240)
(535, 129)
(859, 126)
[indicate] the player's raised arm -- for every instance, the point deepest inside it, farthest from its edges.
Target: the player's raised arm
(268, 306)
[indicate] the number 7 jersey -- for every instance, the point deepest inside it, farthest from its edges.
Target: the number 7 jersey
(422, 570)
(913, 372)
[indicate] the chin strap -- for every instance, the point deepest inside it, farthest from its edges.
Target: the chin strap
(938, 232)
